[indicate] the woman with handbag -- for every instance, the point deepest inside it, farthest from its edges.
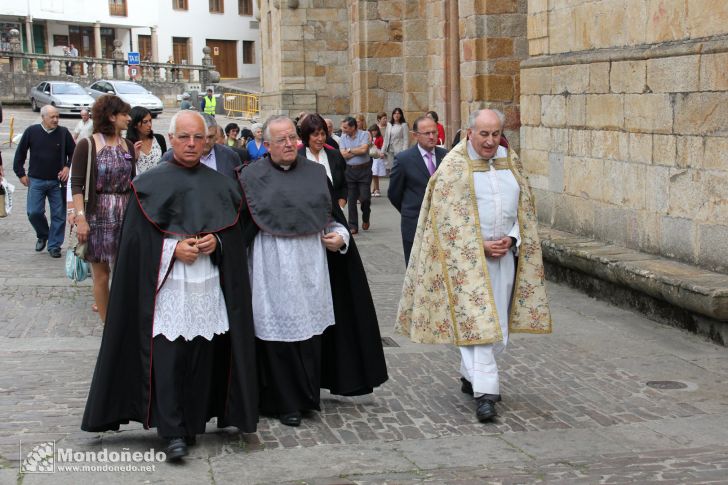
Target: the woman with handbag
(103, 168)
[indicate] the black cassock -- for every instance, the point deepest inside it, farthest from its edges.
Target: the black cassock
(171, 200)
(348, 358)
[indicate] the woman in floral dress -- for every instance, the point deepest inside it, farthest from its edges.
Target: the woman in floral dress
(113, 166)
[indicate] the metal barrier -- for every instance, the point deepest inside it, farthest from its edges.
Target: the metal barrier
(244, 106)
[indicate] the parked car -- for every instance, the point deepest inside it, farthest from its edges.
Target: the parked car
(131, 92)
(67, 97)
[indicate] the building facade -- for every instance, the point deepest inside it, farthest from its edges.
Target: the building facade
(160, 31)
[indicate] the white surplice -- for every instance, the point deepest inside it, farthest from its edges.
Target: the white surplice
(497, 194)
(290, 284)
(189, 301)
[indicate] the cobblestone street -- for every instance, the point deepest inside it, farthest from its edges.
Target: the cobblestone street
(576, 405)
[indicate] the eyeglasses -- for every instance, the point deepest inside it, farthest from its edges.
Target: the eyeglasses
(185, 138)
(292, 139)
(427, 133)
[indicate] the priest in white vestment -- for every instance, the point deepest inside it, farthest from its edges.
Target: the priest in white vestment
(469, 237)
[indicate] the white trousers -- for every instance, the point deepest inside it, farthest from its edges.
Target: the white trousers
(478, 363)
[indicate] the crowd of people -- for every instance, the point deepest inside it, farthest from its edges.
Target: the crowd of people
(238, 289)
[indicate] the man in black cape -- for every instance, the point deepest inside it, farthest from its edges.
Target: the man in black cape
(178, 346)
(315, 322)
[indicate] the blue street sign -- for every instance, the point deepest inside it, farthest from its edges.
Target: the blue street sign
(133, 58)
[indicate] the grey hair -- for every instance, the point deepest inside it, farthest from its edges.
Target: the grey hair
(274, 119)
(44, 110)
(209, 120)
(256, 126)
(474, 115)
(173, 122)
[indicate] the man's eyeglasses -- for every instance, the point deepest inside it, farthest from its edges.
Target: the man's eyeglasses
(185, 138)
(292, 139)
(427, 133)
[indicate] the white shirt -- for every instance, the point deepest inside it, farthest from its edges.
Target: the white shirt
(210, 160)
(323, 160)
(84, 129)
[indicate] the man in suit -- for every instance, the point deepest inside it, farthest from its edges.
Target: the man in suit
(216, 156)
(410, 173)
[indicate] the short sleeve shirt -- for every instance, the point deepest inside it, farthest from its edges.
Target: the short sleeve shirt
(360, 138)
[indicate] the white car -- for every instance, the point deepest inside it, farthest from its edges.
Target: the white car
(68, 98)
(131, 92)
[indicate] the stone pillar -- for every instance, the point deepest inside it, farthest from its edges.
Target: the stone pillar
(16, 46)
(155, 45)
(30, 44)
(30, 47)
(306, 66)
(492, 45)
(118, 55)
(210, 75)
(97, 40)
(453, 119)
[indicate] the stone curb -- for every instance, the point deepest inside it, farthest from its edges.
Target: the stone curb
(679, 284)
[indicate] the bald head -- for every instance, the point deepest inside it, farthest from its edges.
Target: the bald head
(484, 131)
(49, 117)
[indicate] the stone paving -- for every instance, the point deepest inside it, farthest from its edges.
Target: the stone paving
(575, 409)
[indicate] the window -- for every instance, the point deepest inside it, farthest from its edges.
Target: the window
(179, 4)
(248, 52)
(217, 6)
(145, 47)
(117, 7)
(245, 7)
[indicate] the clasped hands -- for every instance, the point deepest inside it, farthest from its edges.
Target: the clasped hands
(188, 249)
(497, 248)
(333, 241)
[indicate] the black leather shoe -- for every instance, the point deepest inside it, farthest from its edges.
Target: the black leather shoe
(176, 449)
(55, 252)
(291, 419)
(485, 410)
(40, 245)
(191, 440)
(467, 387)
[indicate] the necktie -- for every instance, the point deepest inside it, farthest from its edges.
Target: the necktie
(430, 163)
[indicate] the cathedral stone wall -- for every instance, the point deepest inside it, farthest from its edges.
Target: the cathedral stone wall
(624, 112)
(341, 57)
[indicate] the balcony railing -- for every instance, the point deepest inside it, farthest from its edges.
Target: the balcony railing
(91, 68)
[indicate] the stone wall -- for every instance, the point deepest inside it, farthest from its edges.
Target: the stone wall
(624, 107)
(341, 57)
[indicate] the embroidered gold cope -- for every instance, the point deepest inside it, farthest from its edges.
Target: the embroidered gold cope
(447, 295)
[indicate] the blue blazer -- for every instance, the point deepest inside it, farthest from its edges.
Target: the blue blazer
(407, 185)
